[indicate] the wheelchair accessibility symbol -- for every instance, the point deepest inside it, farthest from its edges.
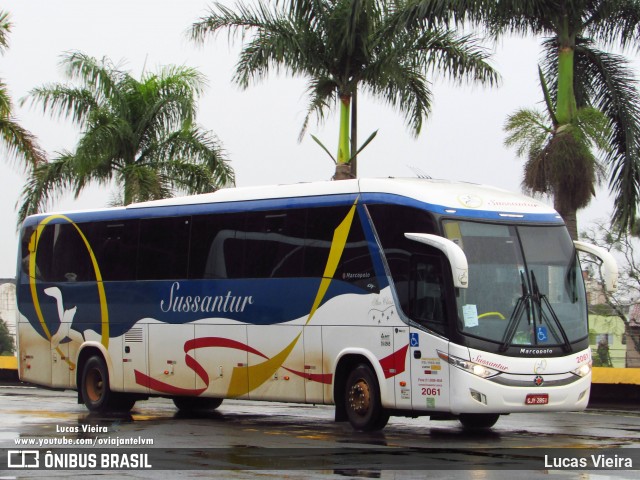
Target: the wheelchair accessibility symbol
(413, 340)
(541, 334)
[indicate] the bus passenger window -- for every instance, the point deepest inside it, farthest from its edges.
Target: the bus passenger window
(115, 244)
(71, 261)
(164, 248)
(215, 252)
(275, 243)
(43, 256)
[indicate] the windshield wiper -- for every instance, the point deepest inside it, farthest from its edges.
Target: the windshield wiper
(540, 299)
(522, 305)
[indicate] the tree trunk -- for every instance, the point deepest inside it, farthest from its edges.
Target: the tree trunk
(570, 218)
(343, 169)
(127, 197)
(566, 108)
(343, 172)
(354, 134)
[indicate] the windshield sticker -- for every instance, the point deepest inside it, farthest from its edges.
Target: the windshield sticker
(470, 314)
(541, 333)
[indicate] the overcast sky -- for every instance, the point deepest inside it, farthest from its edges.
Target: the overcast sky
(462, 140)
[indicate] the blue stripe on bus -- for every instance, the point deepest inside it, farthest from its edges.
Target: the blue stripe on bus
(297, 202)
(374, 250)
(250, 301)
(202, 208)
(394, 199)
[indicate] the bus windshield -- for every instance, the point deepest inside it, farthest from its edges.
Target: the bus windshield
(525, 285)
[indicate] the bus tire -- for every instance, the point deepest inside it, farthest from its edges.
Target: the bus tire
(362, 400)
(478, 421)
(196, 404)
(97, 394)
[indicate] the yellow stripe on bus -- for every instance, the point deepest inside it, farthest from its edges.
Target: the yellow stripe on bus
(104, 311)
(246, 379)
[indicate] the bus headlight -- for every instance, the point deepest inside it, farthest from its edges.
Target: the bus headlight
(582, 371)
(468, 366)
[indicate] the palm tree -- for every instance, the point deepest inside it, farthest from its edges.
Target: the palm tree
(18, 142)
(341, 46)
(560, 158)
(581, 75)
(139, 133)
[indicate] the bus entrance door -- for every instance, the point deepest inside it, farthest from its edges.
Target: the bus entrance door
(429, 373)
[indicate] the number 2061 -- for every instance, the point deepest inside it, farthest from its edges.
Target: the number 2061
(431, 391)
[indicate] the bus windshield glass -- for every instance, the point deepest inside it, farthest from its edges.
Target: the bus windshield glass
(525, 285)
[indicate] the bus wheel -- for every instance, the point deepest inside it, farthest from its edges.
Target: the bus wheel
(96, 393)
(362, 401)
(196, 404)
(478, 421)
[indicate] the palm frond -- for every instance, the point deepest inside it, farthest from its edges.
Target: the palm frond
(595, 128)
(407, 90)
(195, 146)
(457, 57)
(101, 77)
(241, 20)
(19, 143)
(615, 22)
(547, 98)
(64, 102)
(46, 182)
(342, 45)
(437, 13)
(5, 29)
(132, 131)
(322, 93)
(528, 131)
(364, 145)
(191, 178)
(142, 183)
(606, 82)
(326, 150)
(613, 90)
(524, 17)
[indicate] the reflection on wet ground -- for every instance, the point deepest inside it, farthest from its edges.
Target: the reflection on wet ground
(239, 433)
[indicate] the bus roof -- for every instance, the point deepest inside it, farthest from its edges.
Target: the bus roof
(445, 193)
(441, 196)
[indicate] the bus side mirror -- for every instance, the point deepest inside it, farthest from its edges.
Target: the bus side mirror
(457, 258)
(609, 264)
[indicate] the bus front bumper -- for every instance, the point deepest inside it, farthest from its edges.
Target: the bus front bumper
(518, 393)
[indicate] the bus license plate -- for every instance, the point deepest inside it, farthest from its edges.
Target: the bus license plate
(537, 399)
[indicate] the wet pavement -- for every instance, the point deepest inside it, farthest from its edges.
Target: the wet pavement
(276, 440)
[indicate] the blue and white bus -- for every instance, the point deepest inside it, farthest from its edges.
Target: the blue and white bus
(381, 296)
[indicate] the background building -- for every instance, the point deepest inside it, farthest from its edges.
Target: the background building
(8, 305)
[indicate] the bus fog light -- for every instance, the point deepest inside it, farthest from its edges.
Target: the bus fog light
(478, 397)
(583, 394)
(582, 371)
